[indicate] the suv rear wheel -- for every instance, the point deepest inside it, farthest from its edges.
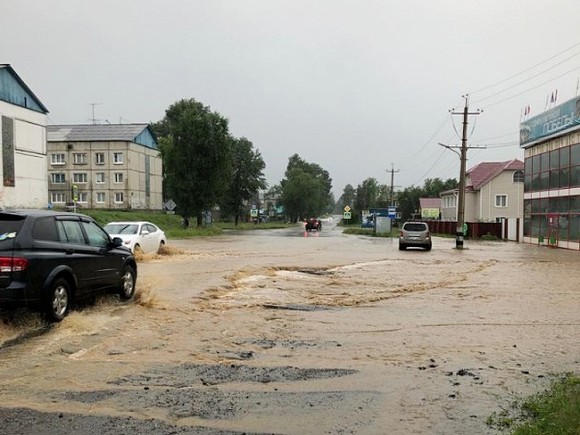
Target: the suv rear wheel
(58, 300)
(127, 286)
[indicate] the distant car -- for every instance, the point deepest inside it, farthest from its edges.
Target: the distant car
(368, 221)
(50, 259)
(139, 236)
(416, 235)
(313, 224)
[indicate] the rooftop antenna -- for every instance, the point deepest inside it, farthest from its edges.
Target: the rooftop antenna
(93, 119)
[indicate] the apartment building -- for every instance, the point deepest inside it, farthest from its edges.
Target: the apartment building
(110, 166)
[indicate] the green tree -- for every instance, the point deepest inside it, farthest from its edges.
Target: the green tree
(306, 189)
(408, 199)
(246, 177)
(367, 194)
(195, 147)
(432, 187)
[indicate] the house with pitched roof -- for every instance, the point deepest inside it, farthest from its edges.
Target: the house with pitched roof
(109, 166)
(430, 208)
(23, 138)
(493, 191)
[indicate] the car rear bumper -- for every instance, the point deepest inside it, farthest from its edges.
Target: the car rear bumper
(18, 294)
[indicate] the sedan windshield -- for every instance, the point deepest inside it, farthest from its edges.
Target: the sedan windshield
(121, 228)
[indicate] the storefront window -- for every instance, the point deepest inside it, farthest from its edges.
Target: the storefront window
(544, 180)
(528, 183)
(575, 204)
(565, 156)
(554, 179)
(575, 176)
(536, 164)
(564, 205)
(544, 204)
(574, 228)
(554, 159)
(528, 166)
(536, 206)
(564, 177)
(575, 155)
(553, 205)
(544, 161)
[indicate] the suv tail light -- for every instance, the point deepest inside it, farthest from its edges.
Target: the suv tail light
(13, 264)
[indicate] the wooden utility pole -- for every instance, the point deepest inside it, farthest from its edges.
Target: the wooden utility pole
(392, 171)
(463, 157)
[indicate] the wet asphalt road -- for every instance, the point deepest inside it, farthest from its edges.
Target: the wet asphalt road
(292, 332)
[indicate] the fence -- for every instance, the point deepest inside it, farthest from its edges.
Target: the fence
(474, 229)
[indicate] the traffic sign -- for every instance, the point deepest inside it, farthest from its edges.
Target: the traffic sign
(347, 209)
(347, 215)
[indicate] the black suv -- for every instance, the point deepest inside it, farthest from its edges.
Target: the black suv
(48, 259)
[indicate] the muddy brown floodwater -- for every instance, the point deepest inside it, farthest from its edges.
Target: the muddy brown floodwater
(292, 333)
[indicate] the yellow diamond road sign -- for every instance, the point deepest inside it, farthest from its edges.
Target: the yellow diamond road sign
(347, 208)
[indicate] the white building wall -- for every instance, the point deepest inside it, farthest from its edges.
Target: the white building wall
(501, 185)
(30, 188)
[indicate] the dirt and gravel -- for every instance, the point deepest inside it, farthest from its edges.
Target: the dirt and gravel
(289, 332)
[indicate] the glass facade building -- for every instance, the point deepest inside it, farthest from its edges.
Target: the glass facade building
(552, 176)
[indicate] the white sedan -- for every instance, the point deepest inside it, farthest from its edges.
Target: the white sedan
(138, 236)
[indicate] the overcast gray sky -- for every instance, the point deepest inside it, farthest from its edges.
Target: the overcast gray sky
(354, 86)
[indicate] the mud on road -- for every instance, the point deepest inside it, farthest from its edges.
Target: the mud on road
(291, 333)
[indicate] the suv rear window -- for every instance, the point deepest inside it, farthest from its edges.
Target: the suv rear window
(9, 226)
(415, 227)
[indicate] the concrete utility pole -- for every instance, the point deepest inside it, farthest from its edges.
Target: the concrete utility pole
(463, 158)
(392, 171)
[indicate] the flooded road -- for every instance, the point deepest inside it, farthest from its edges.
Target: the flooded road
(289, 332)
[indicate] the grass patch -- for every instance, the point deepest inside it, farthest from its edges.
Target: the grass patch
(555, 411)
(171, 223)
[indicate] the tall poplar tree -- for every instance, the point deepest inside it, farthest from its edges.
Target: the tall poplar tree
(195, 147)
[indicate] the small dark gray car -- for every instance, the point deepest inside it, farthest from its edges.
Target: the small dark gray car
(49, 259)
(415, 235)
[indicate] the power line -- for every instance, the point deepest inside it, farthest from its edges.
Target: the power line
(526, 70)
(526, 80)
(530, 89)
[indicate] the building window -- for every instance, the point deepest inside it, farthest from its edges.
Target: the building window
(80, 158)
(519, 177)
(118, 197)
(80, 177)
(100, 158)
(57, 198)
(118, 177)
(501, 200)
(449, 201)
(100, 177)
(82, 197)
(57, 159)
(57, 178)
(100, 197)
(117, 158)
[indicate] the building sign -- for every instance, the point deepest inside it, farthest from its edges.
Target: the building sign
(561, 118)
(429, 213)
(8, 151)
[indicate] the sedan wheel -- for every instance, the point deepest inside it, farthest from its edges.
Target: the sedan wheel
(127, 287)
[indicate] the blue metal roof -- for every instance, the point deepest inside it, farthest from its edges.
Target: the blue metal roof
(13, 90)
